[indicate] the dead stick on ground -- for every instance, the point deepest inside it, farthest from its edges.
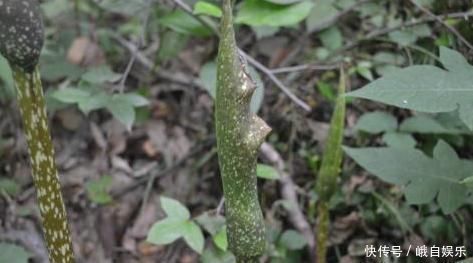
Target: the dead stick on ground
(288, 191)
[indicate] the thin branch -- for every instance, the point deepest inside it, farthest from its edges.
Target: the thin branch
(252, 61)
(288, 191)
(377, 33)
(441, 21)
(304, 67)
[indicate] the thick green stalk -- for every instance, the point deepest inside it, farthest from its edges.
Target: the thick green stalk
(330, 169)
(239, 136)
(21, 40)
(45, 175)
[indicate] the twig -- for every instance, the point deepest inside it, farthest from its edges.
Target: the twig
(441, 21)
(304, 67)
(377, 33)
(252, 61)
(288, 191)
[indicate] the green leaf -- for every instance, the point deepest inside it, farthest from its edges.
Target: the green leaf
(426, 124)
(214, 255)
(427, 88)
(376, 122)
(322, 13)
(211, 223)
(174, 209)
(133, 99)
(284, 2)
(267, 172)
(122, 111)
(220, 239)
(410, 35)
(101, 74)
(193, 236)
(398, 139)
(208, 76)
(9, 186)
(263, 13)
(326, 90)
(424, 178)
(71, 95)
(206, 8)
(97, 190)
(13, 254)
(331, 38)
(184, 23)
(166, 231)
(292, 240)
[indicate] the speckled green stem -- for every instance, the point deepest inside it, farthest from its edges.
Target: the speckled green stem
(45, 175)
(239, 136)
(330, 169)
(21, 41)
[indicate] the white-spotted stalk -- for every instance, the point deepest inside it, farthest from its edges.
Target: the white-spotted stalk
(21, 41)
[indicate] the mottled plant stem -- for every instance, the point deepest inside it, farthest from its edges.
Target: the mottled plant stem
(326, 184)
(239, 136)
(21, 41)
(45, 175)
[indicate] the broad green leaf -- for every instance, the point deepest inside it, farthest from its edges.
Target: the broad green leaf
(9, 186)
(220, 239)
(123, 112)
(322, 13)
(333, 154)
(426, 124)
(267, 172)
(206, 8)
(97, 190)
(193, 236)
(174, 209)
(423, 177)
(331, 38)
(13, 254)
(101, 74)
(410, 35)
(97, 101)
(211, 223)
(208, 77)
(132, 99)
(376, 122)
(398, 139)
(184, 23)
(326, 90)
(214, 255)
(427, 88)
(166, 231)
(292, 240)
(263, 13)
(71, 95)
